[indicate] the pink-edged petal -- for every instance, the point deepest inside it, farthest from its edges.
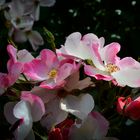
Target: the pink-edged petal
(37, 105)
(103, 124)
(64, 71)
(87, 131)
(12, 52)
(94, 44)
(73, 82)
(85, 83)
(47, 3)
(79, 106)
(45, 94)
(109, 53)
(90, 39)
(9, 79)
(22, 111)
(8, 112)
(129, 77)
(36, 70)
(101, 42)
(54, 115)
(98, 74)
(50, 58)
(14, 72)
(24, 56)
(52, 84)
(75, 47)
(35, 39)
(128, 62)
(91, 128)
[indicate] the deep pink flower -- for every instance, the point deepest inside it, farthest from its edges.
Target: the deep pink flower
(49, 70)
(129, 107)
(14, 69)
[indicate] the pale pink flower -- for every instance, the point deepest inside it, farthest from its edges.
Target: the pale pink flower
(48, 70)
(58, 108)
(21, 56)
(30, 109)
(105, 64)
(80, 47)
(73, 82)
(95, 126)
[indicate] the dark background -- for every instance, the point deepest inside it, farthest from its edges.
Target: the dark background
(116, 20)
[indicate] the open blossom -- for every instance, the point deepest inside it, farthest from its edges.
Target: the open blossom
(110, 67)
(61, 131)
(58, 105)
(57, 109)
(129, 107)
(94, 127)
(105, 64)
(22, 115)
(49, 70)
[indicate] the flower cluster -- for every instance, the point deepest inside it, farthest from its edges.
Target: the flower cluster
(80, 91)
(58, 82)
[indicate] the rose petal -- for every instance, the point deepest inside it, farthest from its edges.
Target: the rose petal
(54, 115)
(37, 105)
(79, 106)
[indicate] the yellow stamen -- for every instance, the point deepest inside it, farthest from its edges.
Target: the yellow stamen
(52, 73)
(111, 68)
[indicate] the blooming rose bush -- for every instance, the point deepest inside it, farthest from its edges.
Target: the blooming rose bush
(80, 91)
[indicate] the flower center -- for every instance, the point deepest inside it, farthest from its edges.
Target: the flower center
(111, 68)
(52, 73)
